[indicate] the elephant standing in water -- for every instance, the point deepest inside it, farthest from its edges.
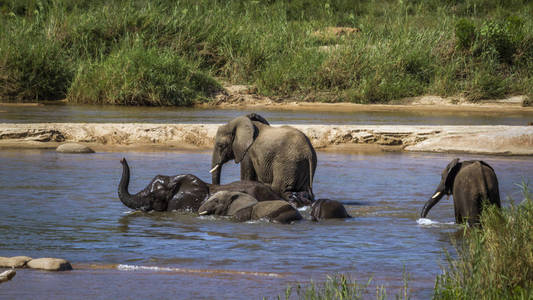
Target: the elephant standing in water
(182, 192)
(470, 183)
(281, 157)
(328, 209)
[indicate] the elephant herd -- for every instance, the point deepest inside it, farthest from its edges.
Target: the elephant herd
(277, 166)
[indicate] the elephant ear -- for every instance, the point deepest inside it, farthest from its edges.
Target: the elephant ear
(453, 167)
(244, 132)
(257, 118)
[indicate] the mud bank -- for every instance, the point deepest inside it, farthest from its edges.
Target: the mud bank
(501, 140)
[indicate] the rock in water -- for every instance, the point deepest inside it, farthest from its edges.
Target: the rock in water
(74, 148)
(7, 275)
(14, 262)
(49, 264)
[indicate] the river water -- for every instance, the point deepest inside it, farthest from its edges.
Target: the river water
(119, 114)
(64, 205)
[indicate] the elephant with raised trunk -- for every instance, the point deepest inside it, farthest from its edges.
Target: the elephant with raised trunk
(280, 157)
(183, 192)
(470, 183)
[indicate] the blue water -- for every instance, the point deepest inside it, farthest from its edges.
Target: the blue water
(65, 205)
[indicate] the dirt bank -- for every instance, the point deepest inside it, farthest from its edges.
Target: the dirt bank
(502, 140)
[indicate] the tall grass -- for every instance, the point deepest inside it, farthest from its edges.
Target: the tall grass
(476, 48)
(496, 260)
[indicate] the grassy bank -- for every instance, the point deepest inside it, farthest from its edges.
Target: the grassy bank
(495, 261)
(168, 52)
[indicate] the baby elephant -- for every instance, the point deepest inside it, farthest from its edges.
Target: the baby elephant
(328, 209)
(470, 183)
(243, 207)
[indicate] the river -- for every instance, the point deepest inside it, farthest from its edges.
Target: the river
(121, 114)
(65, 205)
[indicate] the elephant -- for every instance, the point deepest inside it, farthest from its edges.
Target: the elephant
(470, 183)
(183, 192)
(280, 157)
(242, 207)
(328, 209)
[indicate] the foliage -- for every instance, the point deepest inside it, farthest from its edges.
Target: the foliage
(482, 48)
(496, 260)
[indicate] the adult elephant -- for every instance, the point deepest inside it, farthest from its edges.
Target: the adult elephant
(470, 183)
(183, 192)
(281, 157)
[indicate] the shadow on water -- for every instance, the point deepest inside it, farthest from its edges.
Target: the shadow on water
(67, 206)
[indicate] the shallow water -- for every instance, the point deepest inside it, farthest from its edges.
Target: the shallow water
(61, 205)
(119, 114)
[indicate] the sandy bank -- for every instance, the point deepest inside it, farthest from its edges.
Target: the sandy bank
(502, 140)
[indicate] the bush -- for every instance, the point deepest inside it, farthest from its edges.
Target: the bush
(495, 260)
(33, 68)
(141, 76)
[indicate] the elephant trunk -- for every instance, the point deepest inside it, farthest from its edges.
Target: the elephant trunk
(439, 193)
(131, 201)
(216, 170)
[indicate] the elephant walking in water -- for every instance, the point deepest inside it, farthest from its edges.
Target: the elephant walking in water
(470, 183)
(280, 157)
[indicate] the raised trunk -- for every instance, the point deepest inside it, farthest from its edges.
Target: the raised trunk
(131, 201)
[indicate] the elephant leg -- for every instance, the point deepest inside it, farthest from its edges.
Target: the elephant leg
(247, 169)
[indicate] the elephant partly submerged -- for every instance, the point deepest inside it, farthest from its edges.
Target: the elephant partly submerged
(328, 209)
(243, 207)
(280, 157)
(470, 183)
(183, 192)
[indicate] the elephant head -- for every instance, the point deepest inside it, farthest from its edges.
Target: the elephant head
(445, 186)
(232, 141)
(226, 203)
(328, 209)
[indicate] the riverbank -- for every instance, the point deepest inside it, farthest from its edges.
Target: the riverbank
(499, 140)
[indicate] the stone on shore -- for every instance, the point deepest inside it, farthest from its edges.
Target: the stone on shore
(7, 275)
(14, 262)
(49, 264)
(74, 148)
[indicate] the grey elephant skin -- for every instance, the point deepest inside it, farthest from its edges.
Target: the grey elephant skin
(242, 207)
(183, 192)
(328, 209)
(470, 183)
(280, 157)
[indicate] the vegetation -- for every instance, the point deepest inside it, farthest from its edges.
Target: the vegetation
(496, 260)
(168, 52)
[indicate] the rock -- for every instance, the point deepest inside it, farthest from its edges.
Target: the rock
(14, 262)
(7, 275)
(74, 148)
(49, 264)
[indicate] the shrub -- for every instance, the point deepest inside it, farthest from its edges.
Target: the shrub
(495, 260)
(141, 76)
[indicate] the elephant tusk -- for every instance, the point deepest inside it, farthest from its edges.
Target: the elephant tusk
(436, 195)
(215, 168)
(203, 213)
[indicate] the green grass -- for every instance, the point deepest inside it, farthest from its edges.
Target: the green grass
(477, 48)
(496, 260)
